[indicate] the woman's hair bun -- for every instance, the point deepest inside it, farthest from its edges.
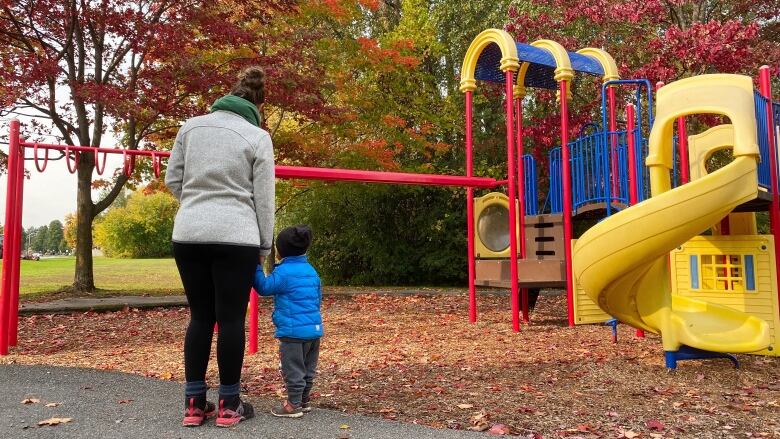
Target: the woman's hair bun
(251, 85)
(253, 77)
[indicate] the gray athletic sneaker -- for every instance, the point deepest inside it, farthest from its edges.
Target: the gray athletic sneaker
(287, 410)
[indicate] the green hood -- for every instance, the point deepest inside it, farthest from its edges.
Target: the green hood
(240, 106)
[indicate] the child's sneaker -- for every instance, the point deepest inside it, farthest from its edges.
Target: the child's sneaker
(229, 417)
(305, 404)
(195, 416)
(287, 410)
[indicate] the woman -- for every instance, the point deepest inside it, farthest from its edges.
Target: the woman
(222, 171)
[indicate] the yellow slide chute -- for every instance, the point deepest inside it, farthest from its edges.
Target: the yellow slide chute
(623, 262)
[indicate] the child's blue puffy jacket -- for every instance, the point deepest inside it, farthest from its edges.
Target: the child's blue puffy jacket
(295, 286)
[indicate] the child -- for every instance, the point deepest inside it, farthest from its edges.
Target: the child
(295, 286)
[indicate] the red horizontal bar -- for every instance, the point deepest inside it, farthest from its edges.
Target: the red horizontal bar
(326, 174)
(330, 174)
(93, 149)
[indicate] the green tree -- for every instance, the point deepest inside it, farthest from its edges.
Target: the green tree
(398, 63)
(40, 239)
(55, 236)
(141, 229)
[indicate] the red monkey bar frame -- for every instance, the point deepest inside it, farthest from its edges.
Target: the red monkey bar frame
(9, 278)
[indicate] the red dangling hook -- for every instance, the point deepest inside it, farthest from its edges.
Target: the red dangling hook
(75, 160)
(156, 165)
(45, 158)
(97, 160)
(128, 165)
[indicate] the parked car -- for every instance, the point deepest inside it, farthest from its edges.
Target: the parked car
(29, 256)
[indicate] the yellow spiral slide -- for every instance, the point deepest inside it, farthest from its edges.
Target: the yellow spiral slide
(623, 262)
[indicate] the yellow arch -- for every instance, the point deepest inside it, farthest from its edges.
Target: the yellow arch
(563, 69)
(509, 59)
(605, 59)
(520, 83)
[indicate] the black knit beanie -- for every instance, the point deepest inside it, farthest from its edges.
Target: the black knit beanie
(293, 241)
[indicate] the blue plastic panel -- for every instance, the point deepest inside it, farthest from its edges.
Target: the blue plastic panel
(694, 272)
(750, 276)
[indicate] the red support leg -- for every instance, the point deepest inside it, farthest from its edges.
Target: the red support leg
(774, 208)
(567, 226)
(521, 197)
(511, 175)
(470, 209)
(253, 321)
(682, 143)
(13, 315)
(9, 236)
(633, 192)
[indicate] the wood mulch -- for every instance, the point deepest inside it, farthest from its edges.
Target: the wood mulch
(417, 359)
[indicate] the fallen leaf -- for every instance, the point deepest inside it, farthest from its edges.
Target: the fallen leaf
(166, 375)
(53, 404)
(125, 401)
(465, 406)
(499, 430)
(654, 424)
(55, 421)
(628, 434)
(31, 401)
(479, 427)
(344, 427)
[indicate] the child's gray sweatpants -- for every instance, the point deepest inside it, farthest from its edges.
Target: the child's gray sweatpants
(299, 366)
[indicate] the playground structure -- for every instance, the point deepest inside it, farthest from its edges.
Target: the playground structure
(600, 173)
(723, 292)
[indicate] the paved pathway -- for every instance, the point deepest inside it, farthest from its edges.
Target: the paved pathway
(117, 405)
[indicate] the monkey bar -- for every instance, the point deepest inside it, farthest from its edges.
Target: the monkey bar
(41, 155)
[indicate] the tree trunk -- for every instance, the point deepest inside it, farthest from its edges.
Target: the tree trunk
(84, 281)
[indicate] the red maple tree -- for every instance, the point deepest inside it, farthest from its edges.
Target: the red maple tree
(132, 70)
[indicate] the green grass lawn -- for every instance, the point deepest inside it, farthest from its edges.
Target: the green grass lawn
(113, 276)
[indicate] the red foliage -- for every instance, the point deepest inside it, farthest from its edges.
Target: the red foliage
(654, 39)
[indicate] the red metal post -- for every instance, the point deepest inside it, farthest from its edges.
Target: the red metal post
(253, 321)
(511, 175)
(633, 192)
(774, 207)
(521, 196)
(682, 144)
(613, 141)
(13, 315)
(9, 235)
(567, 226)
(470, 208)
(633, 195)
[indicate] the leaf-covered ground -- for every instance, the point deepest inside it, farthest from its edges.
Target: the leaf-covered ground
(417, 359)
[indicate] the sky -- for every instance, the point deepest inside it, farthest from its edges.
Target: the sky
(49, 195)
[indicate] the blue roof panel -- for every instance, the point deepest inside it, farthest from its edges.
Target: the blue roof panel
(541, 72)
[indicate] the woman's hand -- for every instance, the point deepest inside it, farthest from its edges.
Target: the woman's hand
(262, 261)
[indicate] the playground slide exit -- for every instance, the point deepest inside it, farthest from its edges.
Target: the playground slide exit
(622, 263)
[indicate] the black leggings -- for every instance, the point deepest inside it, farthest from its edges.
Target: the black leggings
(217, 280)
